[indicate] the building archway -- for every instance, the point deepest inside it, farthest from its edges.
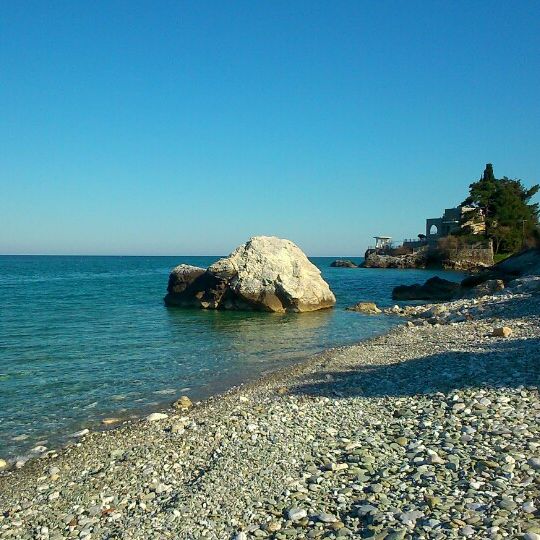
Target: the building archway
(434, 227)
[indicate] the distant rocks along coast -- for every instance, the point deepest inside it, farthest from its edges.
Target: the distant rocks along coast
(265, 274)
(344, 263)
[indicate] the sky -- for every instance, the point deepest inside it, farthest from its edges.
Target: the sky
(174, 127)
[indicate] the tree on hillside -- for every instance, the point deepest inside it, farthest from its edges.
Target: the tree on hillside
(510, 218)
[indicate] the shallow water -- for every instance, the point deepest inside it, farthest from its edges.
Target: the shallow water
(83, 338)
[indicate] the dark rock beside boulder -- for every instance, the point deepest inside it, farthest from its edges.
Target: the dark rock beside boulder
(182, 276)
(433, 289)
(190, 286)
(344, 263)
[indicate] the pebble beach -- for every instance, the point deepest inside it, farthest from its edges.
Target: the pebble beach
(430, 431)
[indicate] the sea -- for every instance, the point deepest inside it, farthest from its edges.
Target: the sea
(83, 338)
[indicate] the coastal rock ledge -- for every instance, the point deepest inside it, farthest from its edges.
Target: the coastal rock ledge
(265, 274)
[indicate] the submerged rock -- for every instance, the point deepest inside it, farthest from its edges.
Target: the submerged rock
(110, 421)
(433, 289)
(266, 273)
(365, 307)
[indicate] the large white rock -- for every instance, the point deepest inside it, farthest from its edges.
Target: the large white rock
(265, 273)
(274, 274)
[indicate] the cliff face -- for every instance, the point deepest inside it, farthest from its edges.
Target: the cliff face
(469, 259)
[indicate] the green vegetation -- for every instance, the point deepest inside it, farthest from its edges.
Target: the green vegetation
(510, 220)
(500, 257)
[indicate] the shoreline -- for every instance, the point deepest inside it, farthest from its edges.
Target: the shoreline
(134, 416)
(94, 425)
(139, 415)
(221, 432)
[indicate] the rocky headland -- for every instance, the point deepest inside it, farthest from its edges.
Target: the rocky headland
(431, 431)
(266, 274)
(375, 259)
(465, 259)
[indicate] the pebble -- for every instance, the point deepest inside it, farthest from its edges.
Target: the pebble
(156, 416)
(183, 403)
(327, 518)
(296, 514)
(503, 331)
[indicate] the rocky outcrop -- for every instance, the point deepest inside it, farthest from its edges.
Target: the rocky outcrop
(266, 273)
(468, 258)
(368, 308)
(433, 289)
(374, 259)
(438, 289)
(526, 284)
(343, 263)
(525, 263)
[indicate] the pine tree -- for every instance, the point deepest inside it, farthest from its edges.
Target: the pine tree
(510, 218)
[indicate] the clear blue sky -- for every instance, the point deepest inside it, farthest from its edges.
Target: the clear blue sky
(133, 127)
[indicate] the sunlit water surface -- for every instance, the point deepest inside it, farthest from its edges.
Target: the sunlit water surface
(84, 338)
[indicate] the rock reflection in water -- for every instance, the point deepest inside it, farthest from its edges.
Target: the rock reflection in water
(252, 335)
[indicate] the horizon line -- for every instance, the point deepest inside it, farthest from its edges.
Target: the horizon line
(144, 255)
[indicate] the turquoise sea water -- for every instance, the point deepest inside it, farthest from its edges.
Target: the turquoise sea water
(84, 338)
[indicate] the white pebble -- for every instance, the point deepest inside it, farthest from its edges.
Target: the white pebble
(296, 514)
(81, 433)
(156, 416)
